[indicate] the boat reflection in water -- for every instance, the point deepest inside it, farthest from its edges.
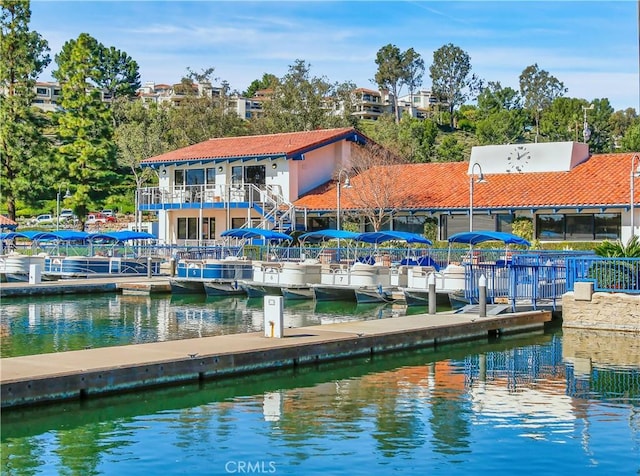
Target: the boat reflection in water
(57, 323)
(477, 408)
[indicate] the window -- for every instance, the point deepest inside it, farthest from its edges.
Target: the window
(208, 228)
(452, 224)
(195, 176)
(607, 226)
(504, 223)
(187, 228)
(411, 224)
(210, 176)
(236, 176)
(237, 222)
(178, 177)
(42, 91)
(550, 227)
(578, 227)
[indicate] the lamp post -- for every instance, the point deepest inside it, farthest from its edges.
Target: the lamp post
(347, 184)
(471, 181)
(586, 132)
(635, 172)
(66, 195)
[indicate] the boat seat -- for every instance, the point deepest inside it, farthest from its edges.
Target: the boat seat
(428, 261)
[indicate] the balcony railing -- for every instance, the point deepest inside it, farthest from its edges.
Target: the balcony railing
(267, 200)
(152, 198)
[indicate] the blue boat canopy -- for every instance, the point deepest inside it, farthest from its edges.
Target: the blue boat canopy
(246, 233)
(321, 235)
(382, 236)
(123, 235)
(65, 235)
(475, 237)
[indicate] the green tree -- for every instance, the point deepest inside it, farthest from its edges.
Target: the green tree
(599, 120)
(118, 73)
(450, 150)
(620, 121)
(630, 142)
(268, 81)
(141, 135)
(204, 112)
(563, 120)
(300, 102)
(417, 139)
(494, 98)
(86, 150)
(23, 147)
(451, 77)
(539, 89)
(397, 69)
(501, 127)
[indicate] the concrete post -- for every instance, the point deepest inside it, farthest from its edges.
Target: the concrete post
(431, 280)
(482, 295)
(149, 267)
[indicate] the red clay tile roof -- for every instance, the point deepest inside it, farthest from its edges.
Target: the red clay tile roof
(4, 221)
(250, 146)
(603, 180)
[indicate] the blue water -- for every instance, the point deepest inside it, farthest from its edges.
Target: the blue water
(504, 406)
(39, 325)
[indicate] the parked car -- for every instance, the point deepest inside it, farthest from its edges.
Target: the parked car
(95, 219)
(42, 219)
(108, 213)
(67, 214)
(99, 218)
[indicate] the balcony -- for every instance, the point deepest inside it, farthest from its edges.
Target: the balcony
(266, 200)
(202, 196)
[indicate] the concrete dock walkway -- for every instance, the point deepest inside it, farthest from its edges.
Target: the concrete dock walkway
(109, 284)
(77, 374)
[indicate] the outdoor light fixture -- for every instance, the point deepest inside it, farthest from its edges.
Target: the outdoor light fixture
(635, 172)
(471, 181)
(220, 169)
(274, 166)
(347, 184)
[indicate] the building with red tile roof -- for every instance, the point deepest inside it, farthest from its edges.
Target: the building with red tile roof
(7, 223)
(596, 190)
(209, 187)
(288, 180)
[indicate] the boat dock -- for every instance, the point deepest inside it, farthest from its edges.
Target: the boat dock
(44, 378)
(125, 285)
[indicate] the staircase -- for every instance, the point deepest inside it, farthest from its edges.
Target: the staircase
(277, 213)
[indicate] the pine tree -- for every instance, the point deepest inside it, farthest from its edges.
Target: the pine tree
(23, 146)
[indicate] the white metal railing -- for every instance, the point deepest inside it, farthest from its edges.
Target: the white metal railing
(268, 199)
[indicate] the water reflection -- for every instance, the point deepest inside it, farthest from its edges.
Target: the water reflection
(459, 409)
(61, 323)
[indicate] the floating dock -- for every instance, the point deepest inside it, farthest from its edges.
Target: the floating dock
(45, 378)
(126, 285)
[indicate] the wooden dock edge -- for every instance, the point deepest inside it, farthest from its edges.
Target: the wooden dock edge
(298, 347)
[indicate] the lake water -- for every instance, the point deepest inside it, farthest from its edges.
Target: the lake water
(537, 404)
(39, 325)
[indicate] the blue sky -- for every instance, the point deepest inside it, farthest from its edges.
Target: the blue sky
(592, 46)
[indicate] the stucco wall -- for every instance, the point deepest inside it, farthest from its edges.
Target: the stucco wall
(611, 311)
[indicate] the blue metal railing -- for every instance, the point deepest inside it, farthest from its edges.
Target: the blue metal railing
(606, 274)
(534, 278)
